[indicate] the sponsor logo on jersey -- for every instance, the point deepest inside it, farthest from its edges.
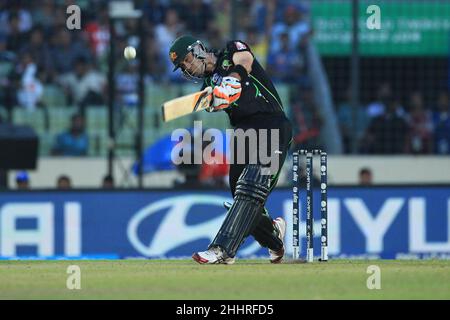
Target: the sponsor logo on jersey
(217, 79)
(226, 64)
(240, 45)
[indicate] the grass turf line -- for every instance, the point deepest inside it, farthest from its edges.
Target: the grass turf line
(247, 279)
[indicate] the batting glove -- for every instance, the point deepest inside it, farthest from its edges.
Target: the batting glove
(228, 92)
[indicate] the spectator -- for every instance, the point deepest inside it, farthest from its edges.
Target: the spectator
(281, 5)
(39, 50)
(22, 180)
(65, 50)
(73, 142)
(285, 64)
(168, 31)
(258, 42)
(189, 176)
(108, 182)
(345, 115)
(421, 127)
(295, 24)
(198, 17)
(365, 177)
(387, 133)
(214, 174)
(127, 84)
(188, 170)
(155, 69)
(63, 183)
(30, 91)
(9, 85)
(307, 122)
(85, 85)
(165, 35)
(97, 31)
(3, 54)
(263, 13)
(378, 107)
(155, 11)
(215, 39)
(44, 15)
(15, 37)
(15, 9)
(130, 29)
(441, 123)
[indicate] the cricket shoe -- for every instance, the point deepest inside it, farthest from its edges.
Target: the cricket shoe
(214, 255)
(280, 225)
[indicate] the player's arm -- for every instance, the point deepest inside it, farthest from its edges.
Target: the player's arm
(244, 59)
(230, 89)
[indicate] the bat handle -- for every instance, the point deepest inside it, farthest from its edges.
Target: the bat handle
(208, 90)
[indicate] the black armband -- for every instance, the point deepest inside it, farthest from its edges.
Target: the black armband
(241, 71)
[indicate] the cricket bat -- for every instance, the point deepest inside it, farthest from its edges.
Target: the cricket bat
(188, 104)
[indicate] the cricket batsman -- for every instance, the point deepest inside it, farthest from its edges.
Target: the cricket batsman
(242, 89)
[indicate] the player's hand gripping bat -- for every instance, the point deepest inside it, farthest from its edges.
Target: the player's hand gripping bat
(188, 104)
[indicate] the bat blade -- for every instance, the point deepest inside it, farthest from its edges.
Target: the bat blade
(185, 105)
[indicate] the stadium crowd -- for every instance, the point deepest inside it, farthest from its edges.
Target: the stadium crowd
(34, 39)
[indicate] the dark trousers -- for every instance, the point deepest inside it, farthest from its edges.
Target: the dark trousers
(263, 231)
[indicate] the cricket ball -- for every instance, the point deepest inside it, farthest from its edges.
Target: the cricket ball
(129, 53)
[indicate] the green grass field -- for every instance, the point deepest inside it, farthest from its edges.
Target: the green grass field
(247, 279)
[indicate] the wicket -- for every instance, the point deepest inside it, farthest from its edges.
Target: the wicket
(309, 205)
